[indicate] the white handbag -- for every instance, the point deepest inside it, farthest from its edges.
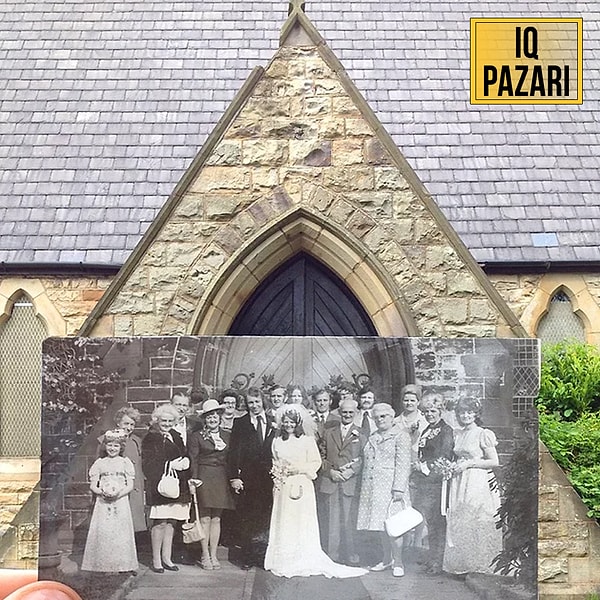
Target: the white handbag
(402, 521)
(168, 486)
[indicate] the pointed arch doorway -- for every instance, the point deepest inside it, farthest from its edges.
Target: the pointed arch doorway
(303, 298)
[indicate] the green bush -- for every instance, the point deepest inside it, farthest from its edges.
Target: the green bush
(569, 404)
(570, 382)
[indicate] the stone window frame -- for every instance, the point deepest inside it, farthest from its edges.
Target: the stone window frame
(583, 303)
(11, 289)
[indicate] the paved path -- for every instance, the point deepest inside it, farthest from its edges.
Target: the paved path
(231, 583)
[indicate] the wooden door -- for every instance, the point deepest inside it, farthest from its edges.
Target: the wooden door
(303, 297)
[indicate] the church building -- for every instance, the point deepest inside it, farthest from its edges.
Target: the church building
(259, 168)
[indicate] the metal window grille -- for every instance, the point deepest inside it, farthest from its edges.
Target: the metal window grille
(560, 322)
(21, 339)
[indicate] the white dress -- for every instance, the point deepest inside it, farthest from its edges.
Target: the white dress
(472, 539)
(110, 544)
(294, 548)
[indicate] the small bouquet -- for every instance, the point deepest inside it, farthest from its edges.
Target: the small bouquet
(110, 486)
(280, 470)
(444, 468)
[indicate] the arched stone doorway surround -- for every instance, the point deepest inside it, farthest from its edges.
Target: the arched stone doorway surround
(302, 230)
(576, 288)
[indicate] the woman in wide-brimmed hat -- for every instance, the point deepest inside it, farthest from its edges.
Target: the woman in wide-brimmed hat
(208, 450)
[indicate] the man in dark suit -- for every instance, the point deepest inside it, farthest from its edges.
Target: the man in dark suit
(338, 482)
(325, 418)
(249, 464)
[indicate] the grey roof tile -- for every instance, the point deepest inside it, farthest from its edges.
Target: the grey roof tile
(91, 90)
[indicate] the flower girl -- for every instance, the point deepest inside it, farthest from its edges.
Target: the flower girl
(110, 544)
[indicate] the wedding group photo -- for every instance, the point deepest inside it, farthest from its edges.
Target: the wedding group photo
(362, 467)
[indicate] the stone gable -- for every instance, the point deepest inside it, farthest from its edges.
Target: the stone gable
(300, 147)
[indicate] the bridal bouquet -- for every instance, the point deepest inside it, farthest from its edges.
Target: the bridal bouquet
(443, 467)
(280, 470)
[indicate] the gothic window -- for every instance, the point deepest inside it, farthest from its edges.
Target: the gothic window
(560, 322)
(21, 337)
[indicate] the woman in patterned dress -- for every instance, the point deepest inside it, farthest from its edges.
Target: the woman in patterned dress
(384, 486)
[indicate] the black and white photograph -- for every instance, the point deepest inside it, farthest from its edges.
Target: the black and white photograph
(255, 468)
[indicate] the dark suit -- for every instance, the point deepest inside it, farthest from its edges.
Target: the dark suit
(250, 460)
(341, 497)
(426, 490)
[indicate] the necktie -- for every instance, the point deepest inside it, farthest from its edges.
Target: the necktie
(322, 417)
(366, 425)
(259, 427)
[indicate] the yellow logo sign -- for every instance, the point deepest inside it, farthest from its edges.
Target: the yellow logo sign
(526, 61)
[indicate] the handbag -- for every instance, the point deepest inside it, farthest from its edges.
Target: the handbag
(404, 520)
(192, 530)
(168, 486)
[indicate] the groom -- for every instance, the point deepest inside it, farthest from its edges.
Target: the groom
(250, 461)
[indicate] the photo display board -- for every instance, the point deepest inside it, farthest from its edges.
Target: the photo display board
(322, 467)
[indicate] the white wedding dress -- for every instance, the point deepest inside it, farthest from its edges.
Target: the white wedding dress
(294, 548)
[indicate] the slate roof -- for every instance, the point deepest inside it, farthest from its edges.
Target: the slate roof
(103, 104)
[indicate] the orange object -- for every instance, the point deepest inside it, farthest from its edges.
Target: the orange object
(22, 584)
(13, 579)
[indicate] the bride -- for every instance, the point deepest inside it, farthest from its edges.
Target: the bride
(294, 548)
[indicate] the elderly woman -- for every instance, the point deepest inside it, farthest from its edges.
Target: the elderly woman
(162, 445)
(384, 488)
(126, 418)
(432, 463)
(208, 451)
(472, 539)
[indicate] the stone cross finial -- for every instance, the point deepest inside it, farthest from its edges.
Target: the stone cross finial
(296, 5)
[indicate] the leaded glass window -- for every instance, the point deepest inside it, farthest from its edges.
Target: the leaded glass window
(21, 337)
(560, 322)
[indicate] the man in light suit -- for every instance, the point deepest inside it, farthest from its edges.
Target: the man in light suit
(324, 416)
(338, 482)
(249, 463)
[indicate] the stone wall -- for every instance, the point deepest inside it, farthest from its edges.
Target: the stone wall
(569, 542)
(18, 540)
(62, 302)
(300, 146)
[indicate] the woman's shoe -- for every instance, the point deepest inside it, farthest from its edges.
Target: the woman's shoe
(381, 566)
(206, 563)
(156, 569)
(398, 571)
(215, 563)
(171, 567)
